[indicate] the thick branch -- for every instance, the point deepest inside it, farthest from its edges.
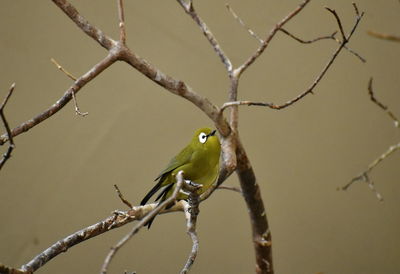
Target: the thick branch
(259, 223)
(97, 34)
(177, 87)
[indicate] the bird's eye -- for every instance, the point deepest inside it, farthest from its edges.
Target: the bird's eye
(202, 137)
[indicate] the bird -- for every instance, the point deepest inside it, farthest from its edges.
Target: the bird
(199, 161)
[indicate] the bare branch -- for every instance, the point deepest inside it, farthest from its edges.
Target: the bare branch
(271, 35)
(310, 89)
(332, 36)
(11, 146)
(118, 219)
(381, 105)
(191, 213)
(384, 36)
(364, 176)
(9, 270)
(83, 24)
(76, 86)
(121, 16)
(189, 9)
(240, 21)
(77, 110)
(231, 188)
(179, 88)
(148, 217)
(339, 22)
(260, 227)
(126, 202)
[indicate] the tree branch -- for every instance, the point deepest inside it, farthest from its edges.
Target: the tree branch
(268, 39)
(310, 89)
(191, 212)
(11, 145)
(364, 176)
(76, 86)
(384, 36)
(143, 221)
(77, 110)
(189, 9)
(97, 34)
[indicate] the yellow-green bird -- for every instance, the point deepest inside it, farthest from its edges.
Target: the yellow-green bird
(199, 161)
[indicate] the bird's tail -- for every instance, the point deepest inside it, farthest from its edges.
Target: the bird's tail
(162, 195)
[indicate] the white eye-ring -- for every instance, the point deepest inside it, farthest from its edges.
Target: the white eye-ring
(202, 137)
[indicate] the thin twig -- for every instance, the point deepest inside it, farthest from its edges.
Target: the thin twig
(385, 36)
(232, 188)
(189, 9)
(121, 17)
(126, 202)
(381, 105)
(310, 89)
(332, 36)
(240, 21)
(138, 226)
(339, 22)
(77, 110)
(11, 145)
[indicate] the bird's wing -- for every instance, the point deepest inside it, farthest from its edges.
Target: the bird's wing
(182, 158)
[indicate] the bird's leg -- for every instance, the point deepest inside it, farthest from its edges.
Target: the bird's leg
(193, 199)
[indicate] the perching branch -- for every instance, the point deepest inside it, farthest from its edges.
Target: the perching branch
(364, 176)
(191, 212)
(143, 221)
(11, 145)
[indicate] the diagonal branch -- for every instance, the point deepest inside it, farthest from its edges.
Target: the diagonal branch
(381, 105)
(11, 146)
(97, 34)
(271, 35)
(76, 86)
(384, 36)
(241, 22)
(189, 9)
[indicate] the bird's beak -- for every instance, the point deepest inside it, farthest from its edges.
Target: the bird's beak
(212, 133)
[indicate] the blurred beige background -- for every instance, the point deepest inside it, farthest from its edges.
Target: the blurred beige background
(60, 177)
